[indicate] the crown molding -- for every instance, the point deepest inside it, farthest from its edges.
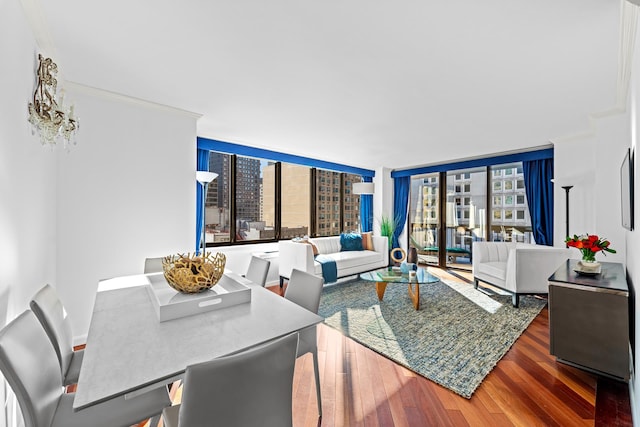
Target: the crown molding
(114, 96)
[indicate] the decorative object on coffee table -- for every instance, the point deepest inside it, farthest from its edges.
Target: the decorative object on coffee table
(398, 255)
(193, 273)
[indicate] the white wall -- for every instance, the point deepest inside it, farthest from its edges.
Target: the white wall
(633, 237)
(125, 192)
(592, 164)
(27, 181)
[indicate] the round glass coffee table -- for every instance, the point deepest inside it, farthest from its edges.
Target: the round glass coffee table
(384, 276)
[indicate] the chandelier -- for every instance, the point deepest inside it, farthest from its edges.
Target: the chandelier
(48, 118)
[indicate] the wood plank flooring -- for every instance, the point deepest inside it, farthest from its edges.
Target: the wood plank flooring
(526, 388)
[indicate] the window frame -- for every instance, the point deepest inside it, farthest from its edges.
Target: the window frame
(337, 191)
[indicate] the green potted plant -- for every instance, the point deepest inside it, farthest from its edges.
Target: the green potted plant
(388, 226)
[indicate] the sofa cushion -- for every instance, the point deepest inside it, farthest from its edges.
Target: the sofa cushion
(327, 245)
(497, 269)
(314, 248)
(350, 242)
(367, 241)
(350, 259)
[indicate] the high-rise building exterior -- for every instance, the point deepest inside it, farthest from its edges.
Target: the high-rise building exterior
(466, 206)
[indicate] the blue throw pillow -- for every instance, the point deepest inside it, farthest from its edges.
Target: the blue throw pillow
(350, 242)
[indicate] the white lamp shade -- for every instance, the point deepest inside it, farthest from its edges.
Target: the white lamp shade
(204, 177)
(362, 188)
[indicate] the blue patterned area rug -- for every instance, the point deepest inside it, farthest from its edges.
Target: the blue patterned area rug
(455, 339)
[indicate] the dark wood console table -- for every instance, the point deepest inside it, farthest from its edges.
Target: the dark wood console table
(589, 319)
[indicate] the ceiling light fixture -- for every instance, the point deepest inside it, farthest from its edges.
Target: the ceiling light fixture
(48, 117)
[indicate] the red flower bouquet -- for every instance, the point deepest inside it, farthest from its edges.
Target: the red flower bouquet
(589, 245)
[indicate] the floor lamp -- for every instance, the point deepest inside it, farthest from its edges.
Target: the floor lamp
(204, 178)
(566, 189)
(362, 188)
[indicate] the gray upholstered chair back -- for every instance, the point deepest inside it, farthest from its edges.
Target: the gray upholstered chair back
(153, 265)
(252, 388)
(305, 290)
(258, 270)
(53, 317)
(30, 365)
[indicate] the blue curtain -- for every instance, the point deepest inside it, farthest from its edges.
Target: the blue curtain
(400, 201)
(539, 190)
(202, 163)
(366, 209)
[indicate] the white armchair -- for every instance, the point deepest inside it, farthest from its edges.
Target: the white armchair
(516, 267)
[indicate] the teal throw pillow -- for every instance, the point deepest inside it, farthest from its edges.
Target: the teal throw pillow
(350, 242)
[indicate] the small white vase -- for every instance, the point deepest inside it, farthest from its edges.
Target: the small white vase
(590, 264)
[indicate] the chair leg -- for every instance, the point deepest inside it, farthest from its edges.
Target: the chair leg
(317, 374)
(515, 300)
(475, 283)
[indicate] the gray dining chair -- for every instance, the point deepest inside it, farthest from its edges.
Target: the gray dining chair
(258, 270)
(153, 265)
(250, 388)
(30, 366)
(305, 290)
(49, 310)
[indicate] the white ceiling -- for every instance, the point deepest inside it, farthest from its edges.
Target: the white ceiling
(368, 83)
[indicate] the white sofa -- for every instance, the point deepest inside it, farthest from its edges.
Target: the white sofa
(519, 268)
(300, 256)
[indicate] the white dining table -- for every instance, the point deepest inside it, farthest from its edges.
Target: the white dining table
(129, 351)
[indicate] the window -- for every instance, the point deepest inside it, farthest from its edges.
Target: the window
(463, 200)
(217, 213)
(504, 218)
(296, 201)
(250, 194)
(255, 199)
(351, 204)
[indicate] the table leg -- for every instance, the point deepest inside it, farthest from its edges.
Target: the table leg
(415, 296)
(380, 288)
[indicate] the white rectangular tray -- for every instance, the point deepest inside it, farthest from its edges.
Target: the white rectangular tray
(171, 304)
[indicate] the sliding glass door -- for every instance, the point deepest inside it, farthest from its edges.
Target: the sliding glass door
(510, 219)
(451, 210)
(465, 214)
(424, 214)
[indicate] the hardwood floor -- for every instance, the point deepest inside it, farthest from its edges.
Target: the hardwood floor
(526, 388)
